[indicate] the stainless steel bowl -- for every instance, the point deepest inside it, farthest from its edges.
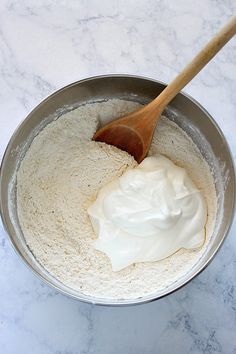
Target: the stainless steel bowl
(185, 111)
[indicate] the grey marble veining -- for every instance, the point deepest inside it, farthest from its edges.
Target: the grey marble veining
(45, 45)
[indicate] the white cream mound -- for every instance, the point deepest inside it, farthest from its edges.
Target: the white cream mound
(148, 214)
(58, 180)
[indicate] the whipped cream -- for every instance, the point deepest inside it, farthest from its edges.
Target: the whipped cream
(149, 213)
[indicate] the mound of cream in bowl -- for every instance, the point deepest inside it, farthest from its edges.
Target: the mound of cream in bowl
(59, 179)
(149, 213)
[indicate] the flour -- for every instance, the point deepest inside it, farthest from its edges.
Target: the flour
(59, 178)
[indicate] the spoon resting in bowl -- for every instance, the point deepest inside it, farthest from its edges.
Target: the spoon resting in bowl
(133, 133)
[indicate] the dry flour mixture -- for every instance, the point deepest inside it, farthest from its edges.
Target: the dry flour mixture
(59, 178)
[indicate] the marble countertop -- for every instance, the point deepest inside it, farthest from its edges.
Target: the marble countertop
(45, 45)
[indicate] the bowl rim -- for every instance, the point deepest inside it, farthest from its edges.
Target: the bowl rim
(106, 301)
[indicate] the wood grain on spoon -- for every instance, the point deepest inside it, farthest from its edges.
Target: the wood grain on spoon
(133, 133)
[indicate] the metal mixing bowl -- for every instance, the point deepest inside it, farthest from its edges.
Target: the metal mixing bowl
(185, 111)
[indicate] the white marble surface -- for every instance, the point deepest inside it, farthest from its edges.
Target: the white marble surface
(45, 45)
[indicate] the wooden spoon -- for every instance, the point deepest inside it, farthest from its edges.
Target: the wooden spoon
(133, 132)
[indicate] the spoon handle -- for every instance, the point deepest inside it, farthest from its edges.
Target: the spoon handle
(193, 68)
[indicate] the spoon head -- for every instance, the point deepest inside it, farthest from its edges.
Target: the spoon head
(124, 138)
